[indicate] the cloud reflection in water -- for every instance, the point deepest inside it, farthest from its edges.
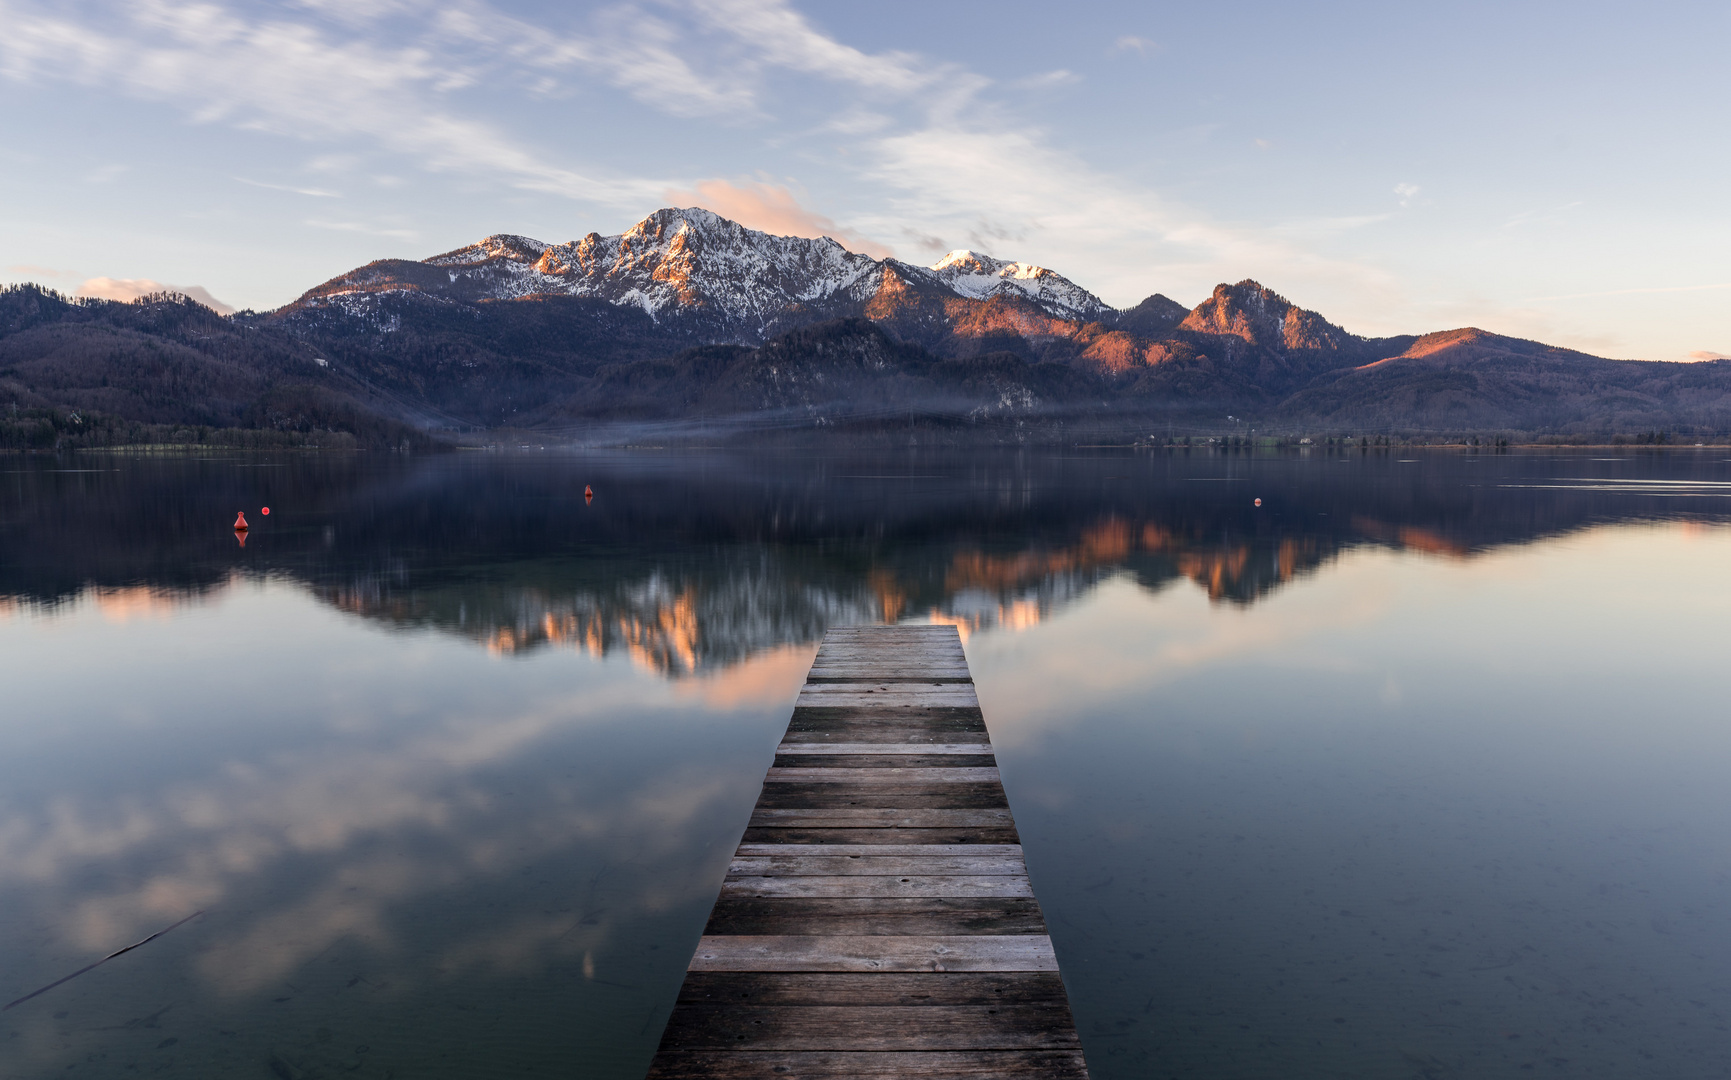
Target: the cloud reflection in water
(446, 750)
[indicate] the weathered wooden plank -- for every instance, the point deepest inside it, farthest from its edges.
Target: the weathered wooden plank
(879, 763)
(887, 818)
(866, 686)
(841, 675)
(871, 695)
(799, 864)
(891, 1065)
(889, 677)
(878, 988)
(890, 643)
(897, 687)
(878, 661)
(879, 666)
(973, 851)
(926, 698)
(900, 632)
(877, 657)
(863, 952)
(894, 633)
(881, 797)
(816, 774)
(868, 1027)
(901, 639)
(898, 629)
(892, 730)
(936, 717)
(851, 886)
(884, 748)
(883, 835)
(893, 915)
(888, 672)
(874, 786)
(864, 653)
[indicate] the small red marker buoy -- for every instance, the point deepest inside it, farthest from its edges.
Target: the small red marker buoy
(1258, 502)
(240, 524)
(588, 494)
(265, 511)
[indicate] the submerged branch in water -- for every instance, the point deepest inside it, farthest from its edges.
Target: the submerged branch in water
(99, 963)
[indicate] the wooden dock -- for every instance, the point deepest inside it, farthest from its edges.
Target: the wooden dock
(877, 921)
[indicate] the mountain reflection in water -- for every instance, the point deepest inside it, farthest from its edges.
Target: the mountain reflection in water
(688, 562)
(1365, 781)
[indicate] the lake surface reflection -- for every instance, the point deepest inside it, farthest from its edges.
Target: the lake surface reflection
(1417, 769)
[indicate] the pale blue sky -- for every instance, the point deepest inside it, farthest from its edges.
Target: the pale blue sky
(1544, 169)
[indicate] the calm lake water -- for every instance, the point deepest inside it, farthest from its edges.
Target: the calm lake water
(1419, 769)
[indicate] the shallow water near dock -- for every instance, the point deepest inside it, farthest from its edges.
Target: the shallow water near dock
(1416, 770)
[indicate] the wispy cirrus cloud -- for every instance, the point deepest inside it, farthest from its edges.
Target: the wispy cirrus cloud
(1048, 80)
(366, 228)
(1130, 239)
(781, 37)
(294, 79)
(316, 193)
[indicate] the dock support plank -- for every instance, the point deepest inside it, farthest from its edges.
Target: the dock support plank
(876, 922)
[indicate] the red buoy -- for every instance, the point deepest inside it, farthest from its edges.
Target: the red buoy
(588, 492)
(265, 511)
(1258, 502)
(240, 524)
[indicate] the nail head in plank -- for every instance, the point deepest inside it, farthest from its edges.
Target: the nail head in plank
(906, 885)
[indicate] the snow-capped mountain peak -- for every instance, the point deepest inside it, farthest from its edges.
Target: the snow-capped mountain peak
(981, 277)
(498, 246)
(723, 281)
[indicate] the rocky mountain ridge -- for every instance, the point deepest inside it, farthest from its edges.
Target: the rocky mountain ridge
(724, 282)
(691, 323)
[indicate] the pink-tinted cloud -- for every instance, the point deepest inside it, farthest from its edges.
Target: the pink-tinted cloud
(1706, 354)
(32, 270)
(126, 289)
(772, 209)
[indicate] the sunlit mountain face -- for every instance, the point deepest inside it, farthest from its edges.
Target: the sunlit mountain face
(693, 562)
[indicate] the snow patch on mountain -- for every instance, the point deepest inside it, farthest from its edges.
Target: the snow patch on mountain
(497, 246)
(981, 277)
